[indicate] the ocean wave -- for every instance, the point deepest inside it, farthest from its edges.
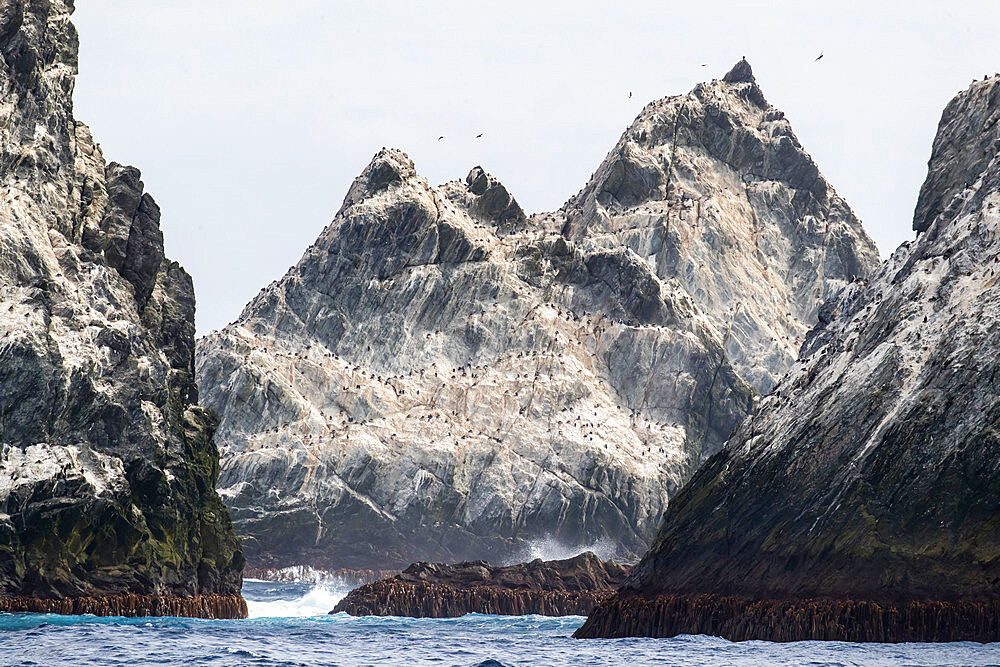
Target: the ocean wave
(292, 600)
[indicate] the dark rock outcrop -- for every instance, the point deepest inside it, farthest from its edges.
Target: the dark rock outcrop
(570, 587)
(107, 464)
(740, 619)
(861, 500)
(440, 378)
(491, 200)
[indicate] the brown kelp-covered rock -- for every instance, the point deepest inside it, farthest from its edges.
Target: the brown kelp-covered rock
(861, 501)
(107, 463)
(739, 619)
(131, 605)
(570, 587)
(441, 378)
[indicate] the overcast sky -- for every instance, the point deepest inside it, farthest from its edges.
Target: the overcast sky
(250, 118)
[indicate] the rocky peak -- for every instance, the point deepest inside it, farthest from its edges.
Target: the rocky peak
(968, 140)
(389, 167)
(715, 192)
(492, 200)
(740, 73)
(860, 498)
(439, 378)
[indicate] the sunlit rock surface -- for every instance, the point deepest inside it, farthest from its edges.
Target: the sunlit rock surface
(107, 466)
(441, 378)
(861, 500)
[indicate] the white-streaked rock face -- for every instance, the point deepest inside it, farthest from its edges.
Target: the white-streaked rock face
(106, 463)
(871, 473)
(441, 377)
(714, 191)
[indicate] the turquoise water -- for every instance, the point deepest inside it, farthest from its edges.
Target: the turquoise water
(290, 629)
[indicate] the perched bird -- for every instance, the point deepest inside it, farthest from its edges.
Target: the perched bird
(819, 57)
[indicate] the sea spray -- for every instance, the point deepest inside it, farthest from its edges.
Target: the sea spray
(295, 600)
(549, 548)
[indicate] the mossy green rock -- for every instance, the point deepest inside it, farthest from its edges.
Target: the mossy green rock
(872, 472)
(107, 464)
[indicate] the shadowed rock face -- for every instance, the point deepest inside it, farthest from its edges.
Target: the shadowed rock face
(107, 465)
(441, 378)
(868, 481)
(568, 587)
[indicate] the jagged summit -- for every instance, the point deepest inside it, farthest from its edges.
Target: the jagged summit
(720, 163)
(493, 202)
(740, 73)
(442, 378)
(968, 140)
(388, 167)
(860, 501)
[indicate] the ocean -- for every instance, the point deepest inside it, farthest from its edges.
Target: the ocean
(289, 626)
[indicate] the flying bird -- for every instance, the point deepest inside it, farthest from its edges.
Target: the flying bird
(480, 135)
(704, 64)
(630, 94)
(819, 57)
(441, 137)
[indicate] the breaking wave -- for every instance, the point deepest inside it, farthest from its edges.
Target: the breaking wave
(268, 599)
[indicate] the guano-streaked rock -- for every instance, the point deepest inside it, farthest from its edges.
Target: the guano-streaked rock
(861, 500)
(107, 465)
(441, 378)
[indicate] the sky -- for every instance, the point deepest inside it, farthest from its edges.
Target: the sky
(250, 118)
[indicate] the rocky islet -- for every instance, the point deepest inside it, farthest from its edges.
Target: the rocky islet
(107, 464)
(860, 501)
(568, 587)
(444, 378)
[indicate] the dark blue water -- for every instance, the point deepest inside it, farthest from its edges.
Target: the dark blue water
(471, 640)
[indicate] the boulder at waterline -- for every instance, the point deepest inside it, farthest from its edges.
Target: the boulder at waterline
(570, 587)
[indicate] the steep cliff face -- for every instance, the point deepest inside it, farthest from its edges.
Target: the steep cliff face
(570, 587)
(713, 190)
(861, 500)
(107, 465)
(442, 378)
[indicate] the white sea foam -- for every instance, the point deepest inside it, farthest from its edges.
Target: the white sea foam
(318, 600)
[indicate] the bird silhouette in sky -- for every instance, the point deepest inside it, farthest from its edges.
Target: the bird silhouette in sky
(704, 64)
(819, 57)
(441, 137)
(480, 135)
